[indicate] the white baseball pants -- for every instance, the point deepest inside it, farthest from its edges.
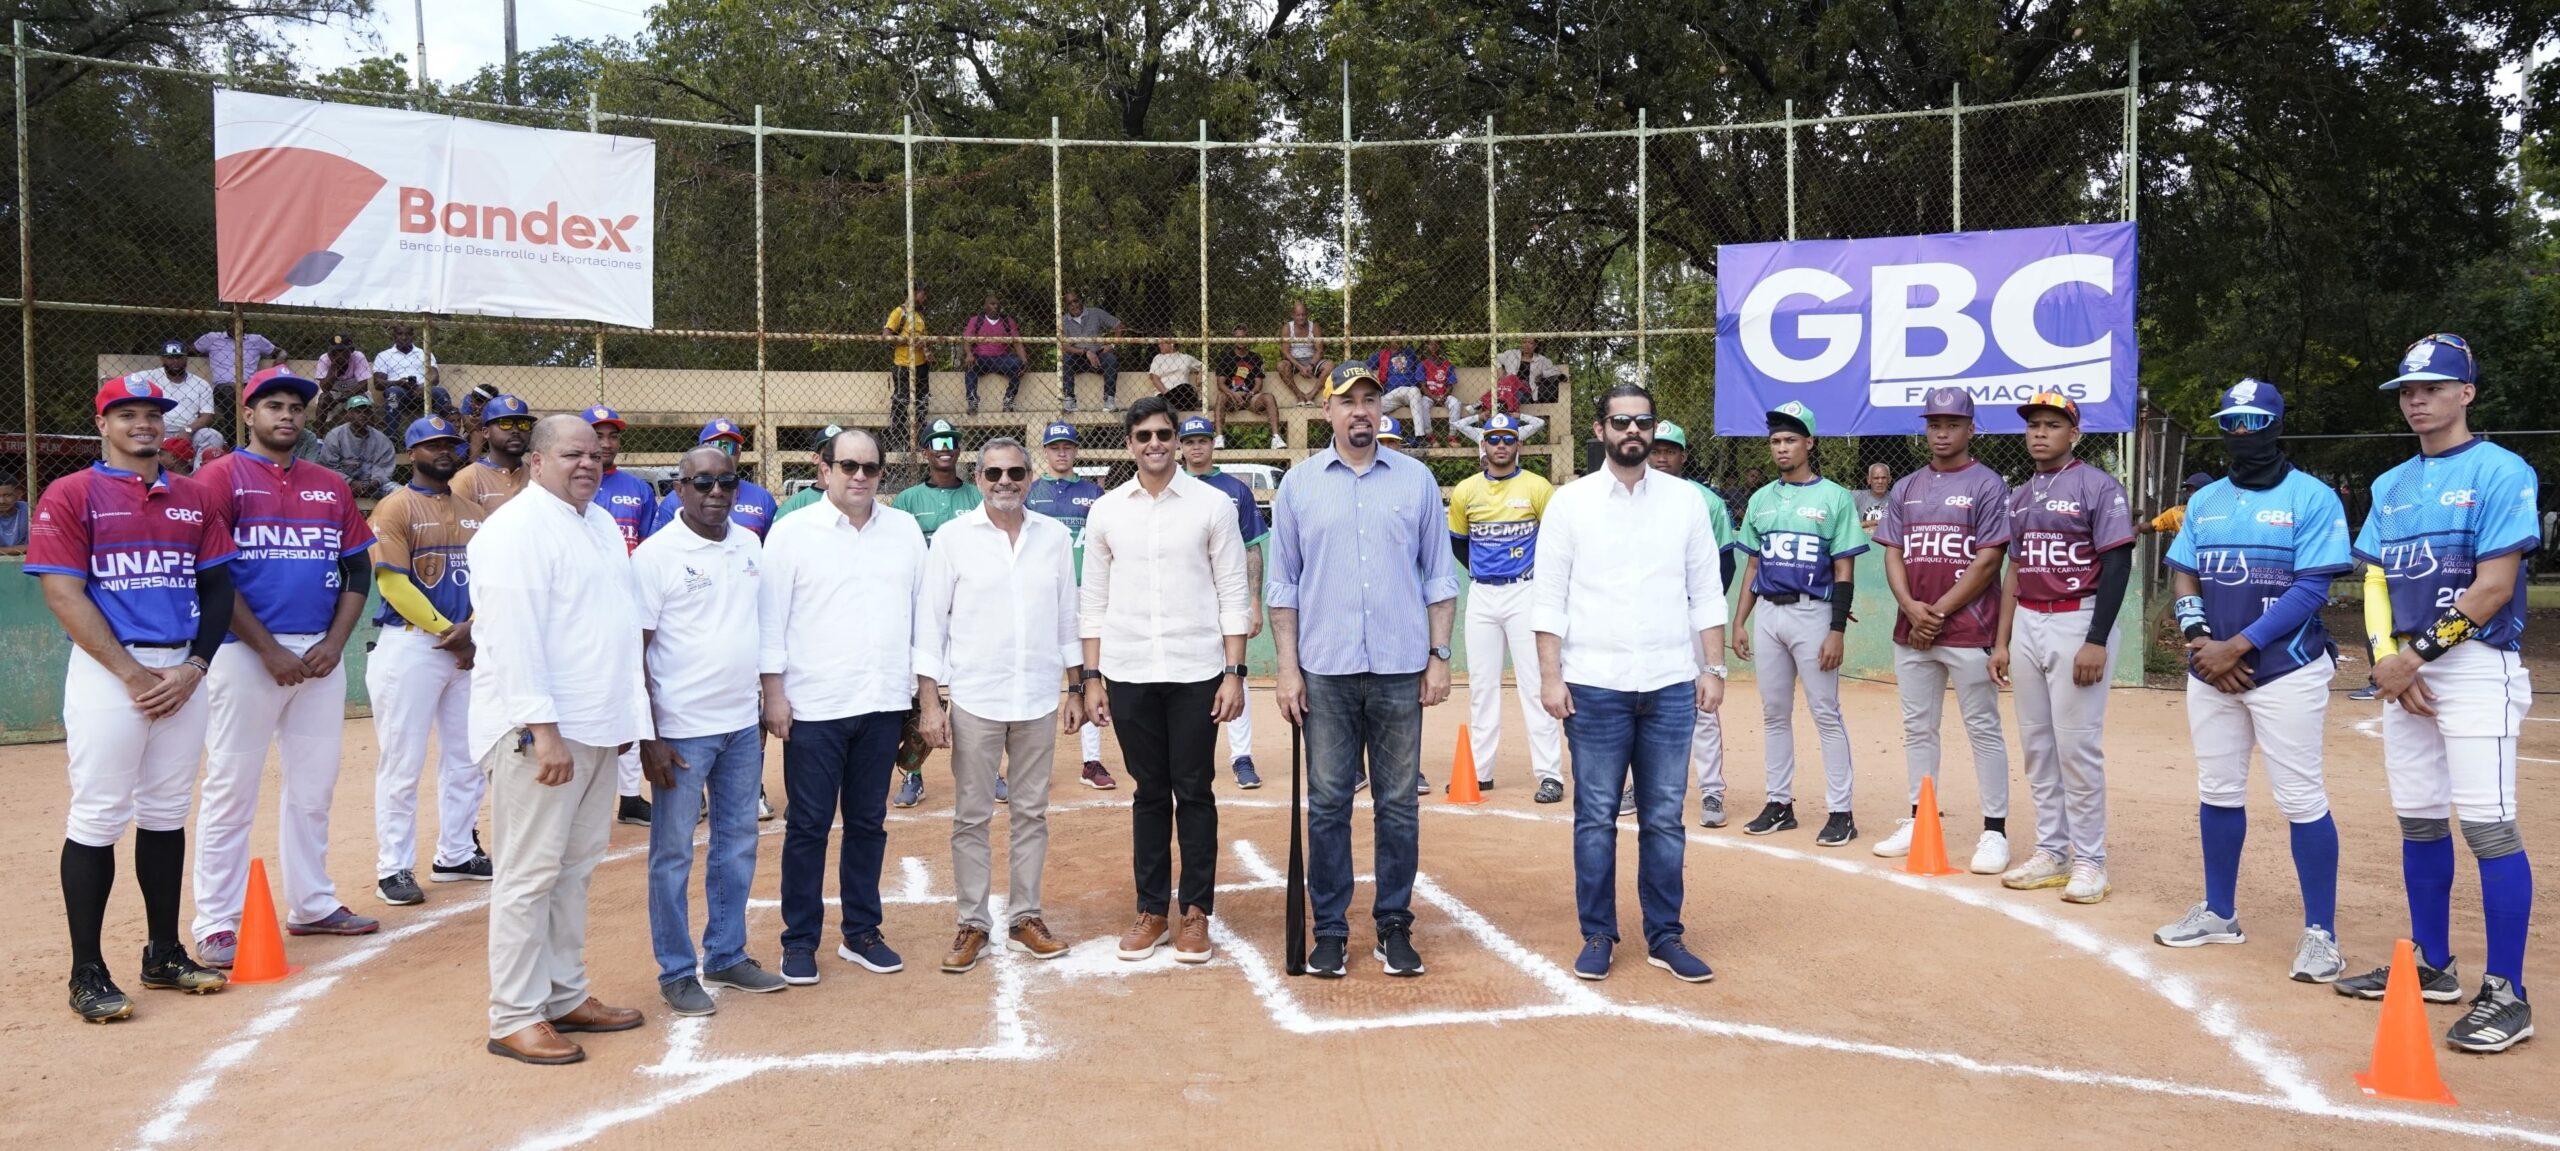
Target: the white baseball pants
(249, 714)
(127, 770)
(2460, 763)
(2061, 723)
(2282, 720)
(1498, 624)
(1786, 646)
(416, 689)
(1921, 674)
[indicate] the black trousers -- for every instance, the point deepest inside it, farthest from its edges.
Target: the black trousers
(1169, 746)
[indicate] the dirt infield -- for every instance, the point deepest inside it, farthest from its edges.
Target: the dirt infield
(1851, 1003)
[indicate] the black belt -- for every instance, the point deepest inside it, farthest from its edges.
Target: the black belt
(164, 646)
(1784, 599)
(1489, 582)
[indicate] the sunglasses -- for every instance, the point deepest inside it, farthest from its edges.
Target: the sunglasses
(1622, 421)
(858, 468)
(1502, 441)
(726, 483)
(512, 424)
(1016, 473)
(1151, 436)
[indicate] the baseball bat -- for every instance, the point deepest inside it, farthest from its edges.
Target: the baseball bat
(1294, 937)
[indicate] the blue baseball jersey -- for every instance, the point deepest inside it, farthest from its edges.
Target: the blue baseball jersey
(290, 525)
(631, 502)
(1249, 519)
(2245, 548)
(137, 546)
(753, 510)
(1069, 502)
(2435, 518)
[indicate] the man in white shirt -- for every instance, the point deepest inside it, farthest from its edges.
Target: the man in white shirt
(697, 581)
(1617, 550)
(996, 623)
(1164, 614)
(1176, 375)
(405, 374)
(193, 417)
(837, 615)
(557, 691)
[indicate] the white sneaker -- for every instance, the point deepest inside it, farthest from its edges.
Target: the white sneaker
(1991, 853)
(1898, 844)
(1278, 444)
(2088, 883)
(2041, 870)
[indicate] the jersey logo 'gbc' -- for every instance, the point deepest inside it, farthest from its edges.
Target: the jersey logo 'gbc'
(2276, 517)
(185, 515)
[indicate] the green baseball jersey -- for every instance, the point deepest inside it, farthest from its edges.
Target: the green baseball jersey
(1719, 518)
(806, 497)
(1797, 530)
(933, 507)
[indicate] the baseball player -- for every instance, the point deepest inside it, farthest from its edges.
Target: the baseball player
(136, 566)
(2253, 563)
(1493, 528)
(1067, 497)
(632, 503)
(1706, 737)
(301, 575)
(419, 673)
(940, 499)
(506, 427)
(1198, 449)
(1944, 531)
(2446, 542)
(755, 509)
(2071, 558)
(1801, 538)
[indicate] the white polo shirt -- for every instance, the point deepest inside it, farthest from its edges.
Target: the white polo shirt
(557, 623)
(996, 618)
(698, 599)
(394, 364)
(837, 610)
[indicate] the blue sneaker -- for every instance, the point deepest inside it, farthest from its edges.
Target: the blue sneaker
(1674, 956)
(872, 952)
(339, 922)
(1246, 777)
(910, 790)
(799, 966)
(1002, 792)
(1593, 963)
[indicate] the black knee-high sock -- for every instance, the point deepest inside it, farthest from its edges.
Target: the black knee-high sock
(88, 875)
(159, 862)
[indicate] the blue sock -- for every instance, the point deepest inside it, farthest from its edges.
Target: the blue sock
(2225, 829)
(2426, 868)
(2506, 901)
(2315, 865)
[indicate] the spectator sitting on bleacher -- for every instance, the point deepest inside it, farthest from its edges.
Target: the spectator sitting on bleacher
(1176, 375)
(1439, 386)
(997, 349)
(1399, 366)
(358, 450)
(404, 372)
(1080, 328)
(1539, 376)
(226, 367)
(1505, 396)
(343, 373)
(193, 417)
(1240, 389)
(13, 516)
(1302, 355)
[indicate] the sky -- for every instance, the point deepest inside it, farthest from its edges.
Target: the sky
(463, 36)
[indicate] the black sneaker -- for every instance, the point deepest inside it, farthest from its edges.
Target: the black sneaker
(1395, 950)
(2497, 1019)
(1627, 800)
(1837, 830)
(1549, 791)
(1326, 963)
(399, 889)
(1773, 818)
(95, 996)
(634, 810)
(2434, 986)
(476, 869)
(170, 969)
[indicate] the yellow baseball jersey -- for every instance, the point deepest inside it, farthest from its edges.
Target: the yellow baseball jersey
(905, 323)
(1499, 521)
(489, 485)
(422, 534)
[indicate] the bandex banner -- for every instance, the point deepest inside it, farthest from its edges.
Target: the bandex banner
(339, 206)
(1861, 330)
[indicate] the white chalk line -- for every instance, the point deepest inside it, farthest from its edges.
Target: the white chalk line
(2373, 728)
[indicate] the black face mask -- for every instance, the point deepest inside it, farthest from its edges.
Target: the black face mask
(2257, 459)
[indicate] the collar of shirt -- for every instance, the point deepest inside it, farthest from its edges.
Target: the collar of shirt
(159, 483)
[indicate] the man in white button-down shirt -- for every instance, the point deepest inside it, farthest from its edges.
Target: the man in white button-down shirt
(996, 622)
(837, 612)
(1617, 548)
(1164, 616)
(556, 693)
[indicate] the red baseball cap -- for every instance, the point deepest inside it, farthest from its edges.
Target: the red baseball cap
(278, 377)
(132, 389)
(180, 448)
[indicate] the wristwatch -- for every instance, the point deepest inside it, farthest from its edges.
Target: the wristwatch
(1238, 670)
(1090, 675)
(1717, 670)
(1441, 653)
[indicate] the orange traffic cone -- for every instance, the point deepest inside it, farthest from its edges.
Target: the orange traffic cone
(1928, 843)
(261, 955)
(1462, 773)
(2404, 1049)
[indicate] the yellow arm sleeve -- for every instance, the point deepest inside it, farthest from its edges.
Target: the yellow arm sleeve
(406, 597)
(2377, 612)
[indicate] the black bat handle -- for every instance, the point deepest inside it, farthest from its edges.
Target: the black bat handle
(1294, 936)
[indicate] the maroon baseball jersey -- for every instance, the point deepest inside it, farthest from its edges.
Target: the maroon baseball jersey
(2064, 520)
(1938, 520)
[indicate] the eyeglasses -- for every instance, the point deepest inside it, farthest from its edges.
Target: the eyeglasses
(1151, 436)
(2245, 421)
(1017, 474)
(858, 468)
(726, 483)
(1501, 441)
(1622, 421)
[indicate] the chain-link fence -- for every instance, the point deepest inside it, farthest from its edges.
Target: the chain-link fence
(781, 251)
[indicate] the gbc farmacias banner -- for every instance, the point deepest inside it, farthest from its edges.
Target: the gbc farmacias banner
(1861, 330)
(337, 206)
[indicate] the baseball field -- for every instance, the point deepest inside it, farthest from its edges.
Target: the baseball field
(1852, 1005)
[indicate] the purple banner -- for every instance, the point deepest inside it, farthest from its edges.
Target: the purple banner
(1861, 330)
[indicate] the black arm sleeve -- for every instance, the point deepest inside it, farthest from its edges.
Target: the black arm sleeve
(213, 611)
(1725, 563)
(2115, 570)
(1458, 547)
(355, 574)
(1841, 593)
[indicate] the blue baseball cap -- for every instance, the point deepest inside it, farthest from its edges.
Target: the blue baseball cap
(1198, 426)
(599, 415)
(1389, 431)
(427, 428)
(2251, 397)
(503, 406)
(1061, 432)
(1503, 423)
(170, 348)
(2441, 357)
(720, 429)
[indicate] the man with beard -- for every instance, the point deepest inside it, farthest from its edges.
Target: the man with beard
(1493, 528)
(632, 503)
(2253, 563)
(1064, 495)
(419, 675)
(490, 481)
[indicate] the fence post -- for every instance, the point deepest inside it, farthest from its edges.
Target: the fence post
(1492, 257)
(907, 306)
(1791, 169)
(1057, 259)
(1346, 212)
(768, 444)
(2132, 130)
(599, 363)
(1955, 126)
(1204, 260)
(1642, 211)
(31, 477)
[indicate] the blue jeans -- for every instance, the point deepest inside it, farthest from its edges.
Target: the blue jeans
(1007, 365)
(1351, 718)
(1104, 363)
(827, 765)
(399, 404)
(731, 767)
(1610, 732)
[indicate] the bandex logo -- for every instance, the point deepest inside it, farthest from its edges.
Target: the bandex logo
(277, 211)
(544, 225)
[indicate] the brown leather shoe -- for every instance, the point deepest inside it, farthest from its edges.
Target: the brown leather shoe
(965, 948)
(1032, 938)
(1144, 936)
(537, 1043)
(593, 1015)
(1191, 943)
